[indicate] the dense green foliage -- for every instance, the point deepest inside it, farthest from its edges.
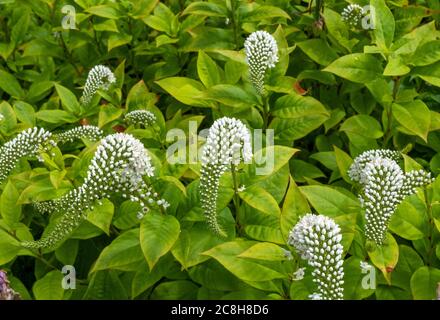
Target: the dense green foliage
(338, 89)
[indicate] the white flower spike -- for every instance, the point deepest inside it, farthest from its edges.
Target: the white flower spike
(228, 143)
(119, 166)
(318, 239)
(91, 133)
(140, 117)
(28, 143)
(352, 14)
(100, 77)
(261, 54)
(385, 185)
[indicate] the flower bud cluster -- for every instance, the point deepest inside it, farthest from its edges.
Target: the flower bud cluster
(100, 77)
(318, 239)
(261, 54)
(228, 143)
(29, 143)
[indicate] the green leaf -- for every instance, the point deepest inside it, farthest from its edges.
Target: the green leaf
(107, 114)
(232, 95)
(415, 117)
(25, 113)
(427, 53)
(188, 248)
(384, 24)
(9, 247)
(410, 219)
(245, 269)
(205, 9)
(55, 116)
(362, 125)
(296, 116)
(207, 70)
(295, 205)
(343, 161)
(357, 67)
(10, 85)
(49, 287)
(329, 201)
(9, 209)
(117, 40)
(102, 215)
(319, 51)
(68, 99)
(122, 252)
(265, 251)
(175, 290)
(264, 12)
(104, 11)
(430, 74)
(185, 90)
(158, 235)
(105, 285)
(338, 29)
(424, 283)
(385, 257)
(263, 160)
(260, 199)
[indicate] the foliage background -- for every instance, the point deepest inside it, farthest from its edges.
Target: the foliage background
(337, 91)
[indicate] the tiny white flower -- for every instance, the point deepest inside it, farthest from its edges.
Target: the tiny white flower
(298, 274)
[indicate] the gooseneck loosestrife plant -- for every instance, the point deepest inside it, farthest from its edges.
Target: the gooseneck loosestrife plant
(120, 165)
(318, 239)
(105, 171)
(385, 185)
(227, 145)
(99, 77)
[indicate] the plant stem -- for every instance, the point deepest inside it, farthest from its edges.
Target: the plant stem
(431, 226)
(266, 112)
(389, 111)
(234, 23)
(236, 198)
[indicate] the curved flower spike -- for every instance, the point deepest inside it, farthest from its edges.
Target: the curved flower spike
(356, 169)
(28, 143)
(385, 186)
(140, 117)
(89, 132)
(119, 166)
(318, 239)
(100, 77)
(261, 54)
(228, 143)
(352, 14)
